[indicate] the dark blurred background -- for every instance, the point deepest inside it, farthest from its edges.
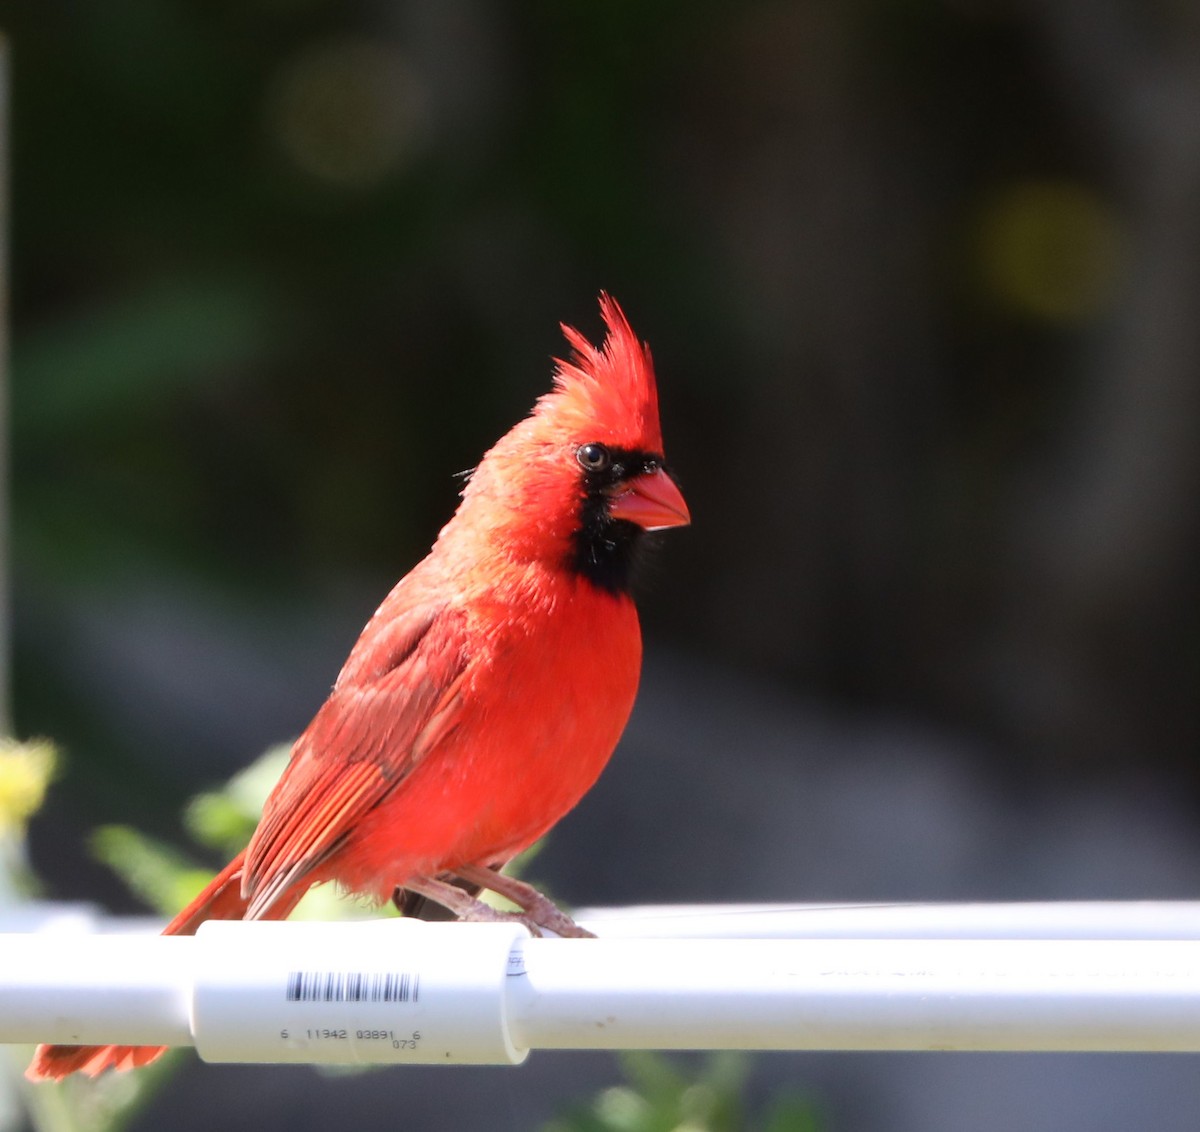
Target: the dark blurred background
(922, 279)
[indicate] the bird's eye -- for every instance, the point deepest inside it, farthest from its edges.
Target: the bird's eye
(593, 457)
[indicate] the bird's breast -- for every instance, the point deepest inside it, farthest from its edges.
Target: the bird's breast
(556, 680)
(549, 686)
(554, 698)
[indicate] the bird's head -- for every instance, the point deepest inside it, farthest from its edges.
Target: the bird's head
(583, 478)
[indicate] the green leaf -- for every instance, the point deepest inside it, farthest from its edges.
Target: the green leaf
(653, 1075)
(667, 1096)
(134, 352)
(216, 821)
(225, 819)
(153, 871)
(792, 1113)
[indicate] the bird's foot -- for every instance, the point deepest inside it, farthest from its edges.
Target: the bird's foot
(537, 912)
(540, 909)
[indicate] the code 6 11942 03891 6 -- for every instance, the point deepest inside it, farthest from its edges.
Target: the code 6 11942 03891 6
(398, 1041)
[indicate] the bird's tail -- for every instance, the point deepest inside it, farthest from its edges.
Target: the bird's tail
(221, 900)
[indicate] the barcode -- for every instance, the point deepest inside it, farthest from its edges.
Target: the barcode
(352, 986)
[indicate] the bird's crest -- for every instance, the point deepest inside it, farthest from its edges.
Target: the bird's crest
(607, 392)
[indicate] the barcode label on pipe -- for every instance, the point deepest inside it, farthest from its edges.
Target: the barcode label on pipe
(352, 986)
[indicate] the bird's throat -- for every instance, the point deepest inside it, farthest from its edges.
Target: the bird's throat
(605, 551)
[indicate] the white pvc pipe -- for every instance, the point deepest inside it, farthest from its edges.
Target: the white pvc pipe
(96, 988)
(865, 994)
(359, 993)
(405, 991)
(1079, 919)
(1099, 919)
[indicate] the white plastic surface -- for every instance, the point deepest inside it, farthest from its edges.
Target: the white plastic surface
(864, 994)
(82, 989)
(1061, 919)
(354, 993)
(396, 991)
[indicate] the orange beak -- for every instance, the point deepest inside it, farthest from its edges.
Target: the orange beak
(652, 501)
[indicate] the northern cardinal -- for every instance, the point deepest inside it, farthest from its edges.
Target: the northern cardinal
(489, 689)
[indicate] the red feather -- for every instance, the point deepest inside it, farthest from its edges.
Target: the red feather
(488, 691)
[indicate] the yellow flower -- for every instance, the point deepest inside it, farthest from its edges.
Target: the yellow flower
(25, 771)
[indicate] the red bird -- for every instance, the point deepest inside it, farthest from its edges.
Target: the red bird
(489, 689)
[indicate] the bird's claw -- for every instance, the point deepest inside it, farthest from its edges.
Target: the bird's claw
(537, 912)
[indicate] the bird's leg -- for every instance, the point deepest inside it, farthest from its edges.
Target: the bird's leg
(539, 909)
(461, 903)
(418, 907)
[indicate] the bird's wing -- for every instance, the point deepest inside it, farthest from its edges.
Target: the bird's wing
(405, 678)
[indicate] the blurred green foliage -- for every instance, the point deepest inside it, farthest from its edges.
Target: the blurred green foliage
(156, 874)
(27, 770)
(663, 1096)
(166, 879)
